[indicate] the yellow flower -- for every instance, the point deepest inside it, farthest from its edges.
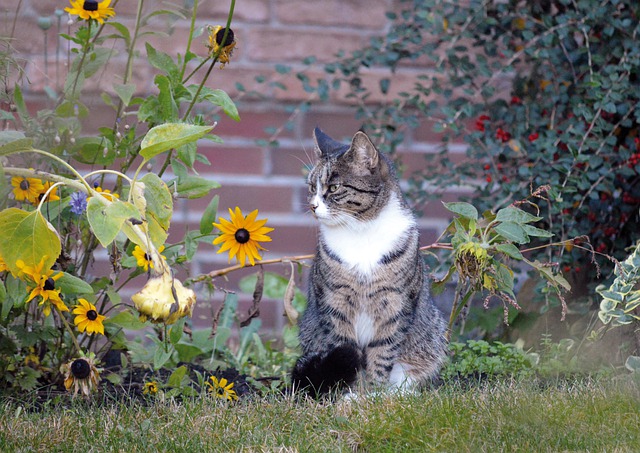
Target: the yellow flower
(26, 188)
(3, 265)
(107, 193)
(150, 388)
(53, 195)
(222, 389)
(91, 9)
(164, 299)
(217, 48)
(143, 259)
(471, 260)
(81, 374)
(241, 236)
(43, 284)
(88, 317)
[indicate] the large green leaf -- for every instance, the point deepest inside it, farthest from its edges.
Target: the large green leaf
(27, 236)
(465, 210)
(70, 284)
(106, 220)
(512, 231)
(159, 200)
(515, 215)
(170, 135)
(16, 146)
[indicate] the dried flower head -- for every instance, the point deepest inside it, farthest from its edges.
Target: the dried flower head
(164, 299)
(82, 375)
(219, 46)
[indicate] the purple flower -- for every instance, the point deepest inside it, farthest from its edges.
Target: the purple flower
(78, 202)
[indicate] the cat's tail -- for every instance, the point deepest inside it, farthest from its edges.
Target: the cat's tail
(322, 373)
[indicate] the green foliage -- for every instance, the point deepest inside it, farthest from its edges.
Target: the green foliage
(478, 358)
(620, 301)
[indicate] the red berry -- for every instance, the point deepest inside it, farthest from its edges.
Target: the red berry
(533, 137)
(489, 178)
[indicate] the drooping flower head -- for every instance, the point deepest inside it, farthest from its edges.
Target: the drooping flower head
(91, 9)
(88, 317)
(221, 389)
(164, 299)
(219, 46)
(78, 203)
(42, 283)
(241, 236)
(27, 189)
(81, 374)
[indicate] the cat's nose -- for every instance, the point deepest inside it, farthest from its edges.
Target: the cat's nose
(313, 207)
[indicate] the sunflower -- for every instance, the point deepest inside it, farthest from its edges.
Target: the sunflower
(27, 188)
(150, 388)
(241, 235)
(216, 47)
(3, 265)
(43, 284)
(88, 317)
(81, 374)
(222, 389)
(143, 259)
(91, 9)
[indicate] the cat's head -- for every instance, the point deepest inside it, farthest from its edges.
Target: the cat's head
(348, 183)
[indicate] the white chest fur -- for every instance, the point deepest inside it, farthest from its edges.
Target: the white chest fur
(361, 245)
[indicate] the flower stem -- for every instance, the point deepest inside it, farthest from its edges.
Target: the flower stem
(73, 336)
(190, 38)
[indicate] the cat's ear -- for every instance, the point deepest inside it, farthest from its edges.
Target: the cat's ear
(326, 146)
(364, 152)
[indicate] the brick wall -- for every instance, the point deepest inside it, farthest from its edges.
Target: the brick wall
(268, 32)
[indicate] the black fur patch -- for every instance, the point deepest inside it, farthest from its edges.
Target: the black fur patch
(320, 374)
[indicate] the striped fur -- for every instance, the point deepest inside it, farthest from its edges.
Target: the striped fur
(368, 294)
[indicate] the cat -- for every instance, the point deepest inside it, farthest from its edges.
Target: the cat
(370, 315)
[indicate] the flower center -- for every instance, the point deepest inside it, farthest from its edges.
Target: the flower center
(90, 5)
(49, 284)
(220, 35)
(92, 315)
(24, 184)
(242, 236)
(80, 369)
(147, 257)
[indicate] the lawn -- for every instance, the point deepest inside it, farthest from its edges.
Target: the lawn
(573, 415)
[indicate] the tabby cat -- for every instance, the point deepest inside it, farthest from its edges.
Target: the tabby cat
(370, 312)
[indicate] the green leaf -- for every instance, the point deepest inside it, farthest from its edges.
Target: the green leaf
(125, 91)
(106, 220)
(219, 98)
(162, 61)
(70, 284)
(175, 380)
(170, 135)
(536, 232)
(16, 146)
(175, 332)
(515, 215)
(159, 200)
(465, 210)
(27, 236)
(209, 216)
(512, 232)
(6, 303)
(633, 364)
(195, 186)
(510, 250)
(161, 356)
(127, 320)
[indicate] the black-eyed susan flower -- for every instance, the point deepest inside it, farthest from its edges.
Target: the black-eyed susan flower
(164, 299)
(27, 189)
(150, 388)
(107, 193)
(91, 9)
(53, 195)
(42, 283)
(82, 375)
(143, 259)
(221, 389)
(3, 265)
(87, 317)
(241, 236)
(219, 48)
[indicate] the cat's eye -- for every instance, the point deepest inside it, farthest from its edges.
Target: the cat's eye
(333, 187)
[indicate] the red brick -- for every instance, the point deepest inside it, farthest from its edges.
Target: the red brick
(291, 161)
(286, 45)
(263, 197)
(254, 120)
(225, 159)
(341, 125)
(337, 13)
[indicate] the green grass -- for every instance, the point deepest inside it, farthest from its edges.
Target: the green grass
(582, 415)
